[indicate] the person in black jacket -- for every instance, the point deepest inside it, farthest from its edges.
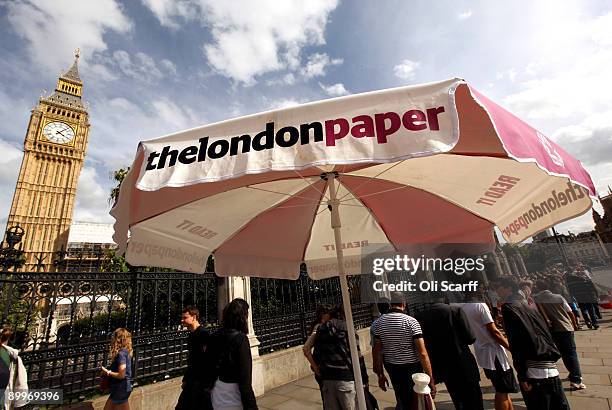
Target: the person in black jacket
(199, 376)
(448, 337)
(584, 291)
(233, 388)
(534, 353)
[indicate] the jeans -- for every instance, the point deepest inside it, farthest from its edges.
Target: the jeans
(545, 394)
(339, 395)
(401, 380)
(465, 393)
(567, 346)
(588, 313)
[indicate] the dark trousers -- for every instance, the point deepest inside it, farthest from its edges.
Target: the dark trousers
(401, 379)
(465, 393)
(194, 396)
(567, 346)
(597, 312)
(588, 313)
(545, 394)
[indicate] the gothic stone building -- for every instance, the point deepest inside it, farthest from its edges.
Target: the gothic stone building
(54, 150)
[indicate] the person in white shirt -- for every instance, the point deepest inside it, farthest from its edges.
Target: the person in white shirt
(489, 351)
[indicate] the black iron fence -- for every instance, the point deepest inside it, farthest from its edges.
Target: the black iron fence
(63, 322)
(283, 310)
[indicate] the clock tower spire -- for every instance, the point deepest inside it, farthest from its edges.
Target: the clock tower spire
(54, 150)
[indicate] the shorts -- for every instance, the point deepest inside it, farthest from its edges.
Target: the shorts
(119, 396)
(503, 381)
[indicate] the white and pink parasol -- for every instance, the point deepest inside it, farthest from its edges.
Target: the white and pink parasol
(433, 163)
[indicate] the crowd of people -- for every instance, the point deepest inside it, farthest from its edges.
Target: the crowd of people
(533, 317)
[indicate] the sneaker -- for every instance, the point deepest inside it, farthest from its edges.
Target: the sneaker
(578, 386)
(595, 327)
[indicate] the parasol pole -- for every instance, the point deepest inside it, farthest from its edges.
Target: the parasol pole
(346, 299)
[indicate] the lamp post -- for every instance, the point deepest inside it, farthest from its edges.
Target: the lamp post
(10, 256)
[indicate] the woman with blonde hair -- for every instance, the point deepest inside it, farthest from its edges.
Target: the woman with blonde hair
(120, 371)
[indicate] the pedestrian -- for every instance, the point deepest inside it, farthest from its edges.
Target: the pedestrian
(333, 357)
(489, 351)
(534, 353)
(525, 290)
(583, 289)
(13, 375)
(201, 371)
(322, 315)
(558, 314)
(448, 337)
(233, 388)
(120, 371)
(400, 349)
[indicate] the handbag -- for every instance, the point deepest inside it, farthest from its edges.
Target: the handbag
(104, 383)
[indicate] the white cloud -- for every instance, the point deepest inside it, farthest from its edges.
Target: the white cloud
(509, 74)
(121, 123)
(465, 15)
(92, 198)
(564, 88)
(600, 30)
(53, 29)
(10, 162)
(168, 11)
(317, 63)
(284, 103)
(406, 69)
(251, 38)
(334, 90)
(143, 67)
(169, 66)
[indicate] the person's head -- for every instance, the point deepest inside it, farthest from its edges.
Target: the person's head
(244, 304)
(337, 312)
(542, 285)
(525, 286)
(398, 301)
(322, 314)
(190, 318)
(506, 287)
(235, 316)
(122, 339)
(5, 335)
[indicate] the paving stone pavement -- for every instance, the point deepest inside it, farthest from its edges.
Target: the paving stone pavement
(594, 350)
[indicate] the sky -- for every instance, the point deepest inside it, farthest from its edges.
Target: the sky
(152, 67)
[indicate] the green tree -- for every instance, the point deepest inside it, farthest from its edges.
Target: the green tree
(118, 176)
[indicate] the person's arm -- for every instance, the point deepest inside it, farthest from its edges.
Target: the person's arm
(419, 343)
(307, 349)
(123, 359)
(497, 335)
(245, 377)
(570, 313)
(377, 358)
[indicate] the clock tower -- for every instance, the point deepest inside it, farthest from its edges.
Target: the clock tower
(54, 150)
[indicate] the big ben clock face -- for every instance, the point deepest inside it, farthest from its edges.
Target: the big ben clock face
(58, 132)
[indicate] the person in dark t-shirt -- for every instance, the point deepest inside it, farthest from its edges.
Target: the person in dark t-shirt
(199, 377)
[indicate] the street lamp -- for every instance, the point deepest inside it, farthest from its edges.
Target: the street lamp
(10, 256)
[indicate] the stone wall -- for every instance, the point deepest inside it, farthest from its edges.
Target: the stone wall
(269, 371)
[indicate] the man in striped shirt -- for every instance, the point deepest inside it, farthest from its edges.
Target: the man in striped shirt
(399, 346)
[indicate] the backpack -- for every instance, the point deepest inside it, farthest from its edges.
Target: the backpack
(537, 342)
